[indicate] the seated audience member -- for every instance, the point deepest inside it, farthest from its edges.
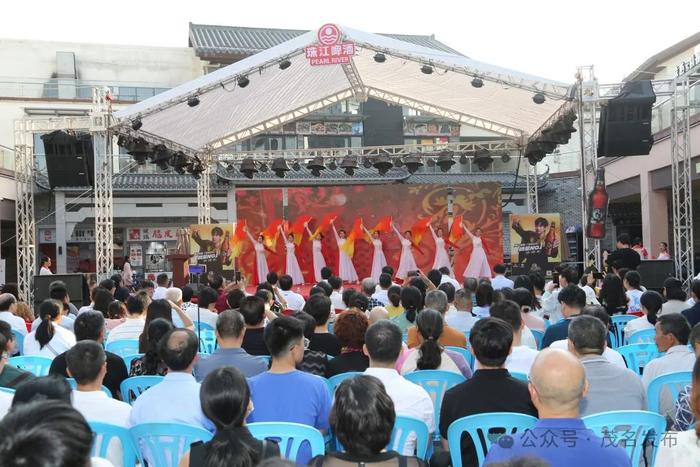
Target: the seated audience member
(327, 289)
(206, 303)
(587, 284)
(174, 295)
(162, 309)
(491, 389)
(684, 418)
(349, 328)
(51, 387)
(500, 281)
(675, 297)
(178, 390)
(234, 297)
(59, 292)
(49, 339)
(484, 298)
(253, 311)
(133, 326)
(87, 364)
(685, 446)
(151, 363)
(610, 387)
(461, 319)
(411, 302)
(121, 293)
(147, 287)
(306, 398)
(8, 310)
(162, 283)
(435, 277)
(319, 306)
(101, 300)
(551, 307)
(10, 375)
(383, 346)
(316, 290)
(612, 295)
(382, 295)
(369, 287)
(437, 300)
(650, 304)
(90, 327)
(378, 313)
(526, 301)
(358, 302)
(521, 357)
(349, 297)
(393, 305)
(187, 296)
(314, 361)
(295, 301)
(557, 385)
(116, 314)
(449, 290)
(447, 278)
(633, 289)
(571, 300)
(230, 332)
(362, 418)
(326, 273)
(26, 313)
(336, 296)
(225, 400)
(692, 314)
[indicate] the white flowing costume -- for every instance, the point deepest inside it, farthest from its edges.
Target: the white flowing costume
(260, 259)
(442, 259)
(292, 266)
(317, 252)
(478, 263)
(378, 258)
(346, 270)
(407, 262)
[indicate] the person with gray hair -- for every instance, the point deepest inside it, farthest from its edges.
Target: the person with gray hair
(610, 387)
(557, 386)
(461, 318)
(378, 313)
(437, 300)
(8, 305)
(369, 287)
(230, 329)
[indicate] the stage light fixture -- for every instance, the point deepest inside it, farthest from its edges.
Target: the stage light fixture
(538, 98)
(315, 165)
(243, 81)
(349, 165)
(383, 164)
(179, 162)
(483, 159)
(161, 156)
(431, 162)
(379, 57)
(427, 69)
(463, 159)
(296, 166)
(140, 150)
(332, 165)
(445, 161)
(284, 64)
(248, 168)
(230, 168)
(193, 101)
(136, 124)
(412, 163)
(280, 167)
(505, 157)
(477, 82)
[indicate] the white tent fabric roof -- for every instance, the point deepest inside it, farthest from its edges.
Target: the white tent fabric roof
(228, 113)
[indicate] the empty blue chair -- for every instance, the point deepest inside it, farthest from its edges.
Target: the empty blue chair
(131, 388)
(638, 355)
(629, 429)
(436, 383)
(480, 428)
(106, 434)
(334, 381)
(464, 353)
(202, 326)
(7, 390)
(673, 383)
(74, 385)
(19, 342)
(403, 428)
(519, 375)
(641, 337)
(618, 324)
(290, 437)
(38, 366)
(538, 337)
(123, 347)
(129, 358)
(207, 341)
(164, 444)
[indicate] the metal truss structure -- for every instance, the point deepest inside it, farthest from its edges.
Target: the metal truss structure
(24, 210)
(531, 179)
(204, 193)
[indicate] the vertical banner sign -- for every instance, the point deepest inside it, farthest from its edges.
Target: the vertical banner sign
(331, 49)
(535, 241)
(211, 246)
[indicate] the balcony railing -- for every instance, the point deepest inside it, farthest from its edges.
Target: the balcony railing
(75, 89)
(661, 114)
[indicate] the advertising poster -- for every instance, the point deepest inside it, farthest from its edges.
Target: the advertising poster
(211, 246)
(136, 255)
(535, 241)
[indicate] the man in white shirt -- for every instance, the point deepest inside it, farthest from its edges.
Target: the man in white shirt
(383, 346)
(135, 319)
(445, 271)
(382, 295)
(59, 291)
(461, 319)
(8, 305)
(550, 299)
(87, 364)
(521, 356)
(337, 294)
(294, 300)
(501, 281)
(45, 266)
(162, 281)
(207, 307)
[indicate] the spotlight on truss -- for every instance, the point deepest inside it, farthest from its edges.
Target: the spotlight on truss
(538, 98)
(280, 167)
(379, 57)
(243, 81)
(477, 82)
(248, 168)
(445, 161)
(412, 163)
(284, 64)
(136, 124)
(349, 165)
(427, 69)
(315, 165)
(382, 163)
(193, 101)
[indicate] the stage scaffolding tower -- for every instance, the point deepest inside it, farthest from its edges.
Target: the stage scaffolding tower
(531, 182)
(204, 192)
(104, 207)
(24, 210)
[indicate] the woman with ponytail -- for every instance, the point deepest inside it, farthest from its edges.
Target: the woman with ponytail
(411, 300)
(225, 400)
(49, 339)
(650, 304)
(430, 355)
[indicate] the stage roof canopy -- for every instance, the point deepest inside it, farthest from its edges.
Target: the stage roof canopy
(228, 113)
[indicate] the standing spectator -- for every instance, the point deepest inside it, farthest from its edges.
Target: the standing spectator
(151, 363)
(319, 306)
(162, 281)
(500, 281)
(484, 298)
(337, 295)
(45, 269)
(133, 327)
(49, 339)
(253, 311)
(349, 328)
(633, 290)
(612, 295)
(557, 385)
(393, 306)
(295, 301)
(10, 375)
(692, 314)
(437, 300)
(230, 329)
(521, 356)
(624, 256)
(8, 306)
(675, 297)
(572, 300)
(462, 318)
(650, 304)
(127, 273)
(639, 248)
(663, 251)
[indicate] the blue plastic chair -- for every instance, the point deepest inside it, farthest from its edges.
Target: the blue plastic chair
(7, 390)
(673, 383)
(334, 381)
(403, 428)
(290, 437)
(164, 444)
(629, 429)
(105, 434)
(207, 341)
(638, 355)
(538, 337)
(266, 358)
(519, 375)
(36, 365)
(19, 342)
(123, 347)
(642, 337)
(614, 343)
(618, 324)
(202, 326)
(436, 383)
(74, 385)
(129, 358)
(133, 387)
(464, 353)
(484, 430)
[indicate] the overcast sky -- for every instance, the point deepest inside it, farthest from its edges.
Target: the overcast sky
(546, 38)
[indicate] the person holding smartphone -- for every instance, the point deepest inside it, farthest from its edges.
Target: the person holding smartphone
(588, 283)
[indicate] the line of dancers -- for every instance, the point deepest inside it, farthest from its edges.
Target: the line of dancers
(477, 267)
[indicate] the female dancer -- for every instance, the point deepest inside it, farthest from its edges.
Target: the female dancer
(346, 270)
(378, 258)
(317, 251)
(442, 259)
(478, 266)
(292, 267)
(261, 268)
(407, 262)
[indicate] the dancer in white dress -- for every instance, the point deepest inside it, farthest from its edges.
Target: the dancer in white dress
(261, 268)
(346, 270)
(478, 266)
(292, 265)
(378, 258)
(442, 259)
(317, 252)
(407, 262)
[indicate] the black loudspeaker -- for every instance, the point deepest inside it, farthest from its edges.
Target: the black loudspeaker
(69, 158)
(383, 123)
(625, 122)
(655, 272)
(74, 283)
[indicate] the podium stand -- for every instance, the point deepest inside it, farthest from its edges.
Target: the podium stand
(181, 271)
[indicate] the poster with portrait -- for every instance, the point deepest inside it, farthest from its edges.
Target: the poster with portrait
(210, 245)
(535, 242)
